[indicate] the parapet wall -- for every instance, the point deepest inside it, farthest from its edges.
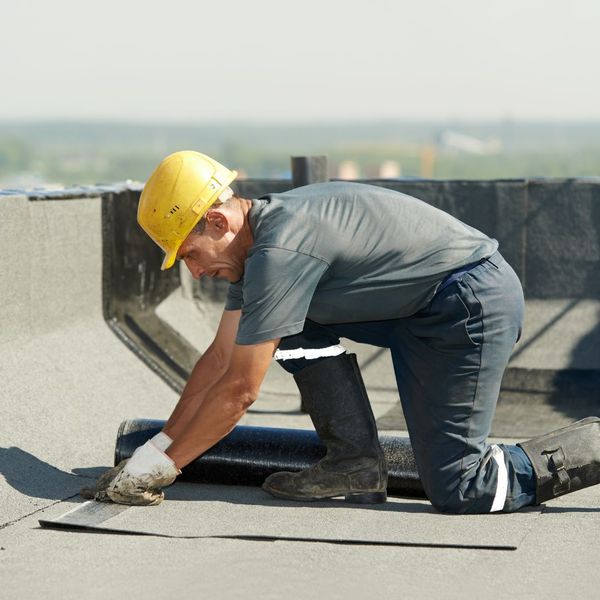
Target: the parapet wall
(548, 229)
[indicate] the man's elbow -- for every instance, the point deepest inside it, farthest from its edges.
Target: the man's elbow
(236, 407)
(247, 398)
(243, 394)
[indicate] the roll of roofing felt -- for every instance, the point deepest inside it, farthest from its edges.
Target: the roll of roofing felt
(248, 455)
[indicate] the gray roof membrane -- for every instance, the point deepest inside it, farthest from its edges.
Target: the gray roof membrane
(67, 383)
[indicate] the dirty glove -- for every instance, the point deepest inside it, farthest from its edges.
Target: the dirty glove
(141, 480)
(98, 491)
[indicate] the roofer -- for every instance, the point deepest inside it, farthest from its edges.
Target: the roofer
(346, 260)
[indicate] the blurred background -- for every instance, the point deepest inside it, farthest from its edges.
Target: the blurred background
(98, 93)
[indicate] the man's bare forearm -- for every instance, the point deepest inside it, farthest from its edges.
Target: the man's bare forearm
(218, 413)
(224, 404)
(207, 371)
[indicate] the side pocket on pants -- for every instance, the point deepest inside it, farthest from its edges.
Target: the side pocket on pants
(473, 324)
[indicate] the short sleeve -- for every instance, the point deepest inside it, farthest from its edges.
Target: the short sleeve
(278, 288)
(234, 298)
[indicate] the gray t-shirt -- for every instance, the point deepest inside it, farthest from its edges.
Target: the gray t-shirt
(344, 252)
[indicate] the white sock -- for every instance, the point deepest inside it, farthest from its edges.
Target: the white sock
(162, 441)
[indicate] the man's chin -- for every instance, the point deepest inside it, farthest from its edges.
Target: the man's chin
(232, 277)
(226, 275)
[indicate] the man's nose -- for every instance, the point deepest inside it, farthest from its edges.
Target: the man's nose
(194, 269)
(197, 272)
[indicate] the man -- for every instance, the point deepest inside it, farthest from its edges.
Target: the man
(345, 260)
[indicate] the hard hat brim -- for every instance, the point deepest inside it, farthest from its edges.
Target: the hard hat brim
(168, 261)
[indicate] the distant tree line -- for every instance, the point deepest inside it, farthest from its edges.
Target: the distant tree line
(83, 153)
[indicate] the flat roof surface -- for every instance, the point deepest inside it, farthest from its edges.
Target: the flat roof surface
(67, 384)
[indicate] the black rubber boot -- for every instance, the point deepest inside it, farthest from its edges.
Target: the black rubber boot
(334, 395)
(565, 460)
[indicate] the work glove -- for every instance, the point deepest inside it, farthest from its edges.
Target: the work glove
(140, 481)
(98, 490)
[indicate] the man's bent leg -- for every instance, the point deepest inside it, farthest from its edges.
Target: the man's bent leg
(449, 360)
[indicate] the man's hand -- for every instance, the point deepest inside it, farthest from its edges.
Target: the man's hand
(98, 491)
(140, 481)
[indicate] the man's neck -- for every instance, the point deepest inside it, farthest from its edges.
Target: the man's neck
(244, 237)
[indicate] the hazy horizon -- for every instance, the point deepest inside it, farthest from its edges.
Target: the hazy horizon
(74, 152)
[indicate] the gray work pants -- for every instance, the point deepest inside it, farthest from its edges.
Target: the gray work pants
(448, 359)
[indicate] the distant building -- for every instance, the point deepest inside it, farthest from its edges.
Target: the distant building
(452, 140)
(390, 169)
(348, 169)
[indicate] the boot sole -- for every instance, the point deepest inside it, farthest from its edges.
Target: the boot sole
(366, 498)
(349, 497)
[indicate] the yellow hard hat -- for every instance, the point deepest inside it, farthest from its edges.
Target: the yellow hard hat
(177, 195)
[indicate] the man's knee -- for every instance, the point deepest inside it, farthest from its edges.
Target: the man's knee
(461, 496)
(459, 488)
(454, 502)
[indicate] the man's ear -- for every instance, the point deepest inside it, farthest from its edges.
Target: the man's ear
(217, 221)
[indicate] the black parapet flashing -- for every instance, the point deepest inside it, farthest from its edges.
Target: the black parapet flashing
(548, 229)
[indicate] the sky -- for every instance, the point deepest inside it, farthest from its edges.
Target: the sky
(301, 61)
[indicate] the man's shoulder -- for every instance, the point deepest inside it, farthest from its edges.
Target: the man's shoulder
(314, 198)
(315, 219)
(336, 189)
